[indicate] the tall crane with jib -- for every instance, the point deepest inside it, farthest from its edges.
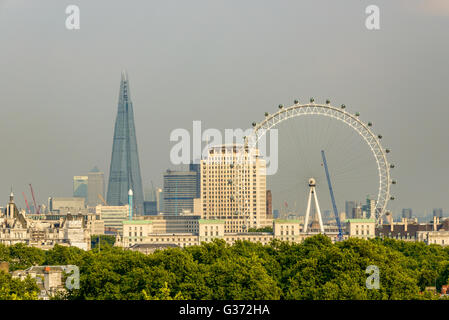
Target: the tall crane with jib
(334, 205)
(36, 209)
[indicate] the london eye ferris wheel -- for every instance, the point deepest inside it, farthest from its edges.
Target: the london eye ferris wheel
(357, 160)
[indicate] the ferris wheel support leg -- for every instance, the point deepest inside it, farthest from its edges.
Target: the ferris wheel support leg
(320, 220)
(306, 221)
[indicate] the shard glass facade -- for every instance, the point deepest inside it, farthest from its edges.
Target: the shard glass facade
(124, 172)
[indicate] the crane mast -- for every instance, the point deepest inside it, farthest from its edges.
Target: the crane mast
(36, 209)
(334, 205)
(26, 202)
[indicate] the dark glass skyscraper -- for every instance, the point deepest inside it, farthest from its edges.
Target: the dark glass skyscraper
(124, 172)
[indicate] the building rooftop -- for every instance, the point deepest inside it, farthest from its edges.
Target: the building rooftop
(211, 221)
(137, 222)
(153, 245)
(360, 220)
(286, 221)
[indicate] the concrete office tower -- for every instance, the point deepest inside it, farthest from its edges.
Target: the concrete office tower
(438, 213)
(407, 213)
(357, 212)
(150, 208)
(125, 167)
(369, 209)
(219, 188)
(80, 185)
(196, 167)
(179, 191)
(269, 205)
(349, 209)
(95, 187)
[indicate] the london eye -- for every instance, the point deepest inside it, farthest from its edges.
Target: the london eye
(359, 162)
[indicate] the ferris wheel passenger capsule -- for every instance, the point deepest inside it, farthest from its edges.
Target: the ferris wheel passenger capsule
(357, 114)
(391, 198)
(266, 114)
(254, 124)
(391, 166)
(312, 100)
(369, 124)
(387, 150)
(328, 101)
(379, 136)
(280, 106)
(343, 106)
(393, 182)
(296, 102)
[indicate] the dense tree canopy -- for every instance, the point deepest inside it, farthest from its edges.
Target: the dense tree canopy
(16, 289)
(314, 269)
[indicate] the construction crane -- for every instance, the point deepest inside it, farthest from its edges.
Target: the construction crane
(26, 202)
(36, 208)
(102, 199)
(334, 205)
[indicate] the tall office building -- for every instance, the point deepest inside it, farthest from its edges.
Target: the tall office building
(160, 200)
(219, 188)
(125, 167)
(80, 184)
(369, 209)
(113, 217)
(407, 213)
(357, 212)
(269, 205)
(95, 187)
(149, 192)
(349, 209)
(150, 208)
(438, 213)
(179, 191)
(196, 167)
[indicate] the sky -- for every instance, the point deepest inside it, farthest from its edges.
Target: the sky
(224, 63)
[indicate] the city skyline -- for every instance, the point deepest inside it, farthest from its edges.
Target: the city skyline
(61, 123)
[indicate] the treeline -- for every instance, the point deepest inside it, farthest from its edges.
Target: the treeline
(314, 269)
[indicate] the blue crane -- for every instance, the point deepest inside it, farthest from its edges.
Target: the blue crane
(334, 205)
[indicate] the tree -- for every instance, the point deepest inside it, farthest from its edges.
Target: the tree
(16, 289)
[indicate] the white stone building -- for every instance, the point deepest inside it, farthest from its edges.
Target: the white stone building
(233, 188)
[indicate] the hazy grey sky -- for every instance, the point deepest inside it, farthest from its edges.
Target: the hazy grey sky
(222, 62)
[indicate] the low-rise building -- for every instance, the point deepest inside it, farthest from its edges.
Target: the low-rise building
(16, 227)
(414, 231)
(361, 228)
(49, 279)
(141, 232)
(113, 216)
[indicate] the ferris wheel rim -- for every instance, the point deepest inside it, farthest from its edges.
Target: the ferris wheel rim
(353, 121)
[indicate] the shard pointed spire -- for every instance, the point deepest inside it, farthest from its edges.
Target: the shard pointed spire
(124, 171)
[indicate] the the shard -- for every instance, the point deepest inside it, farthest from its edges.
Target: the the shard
(124, 172)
